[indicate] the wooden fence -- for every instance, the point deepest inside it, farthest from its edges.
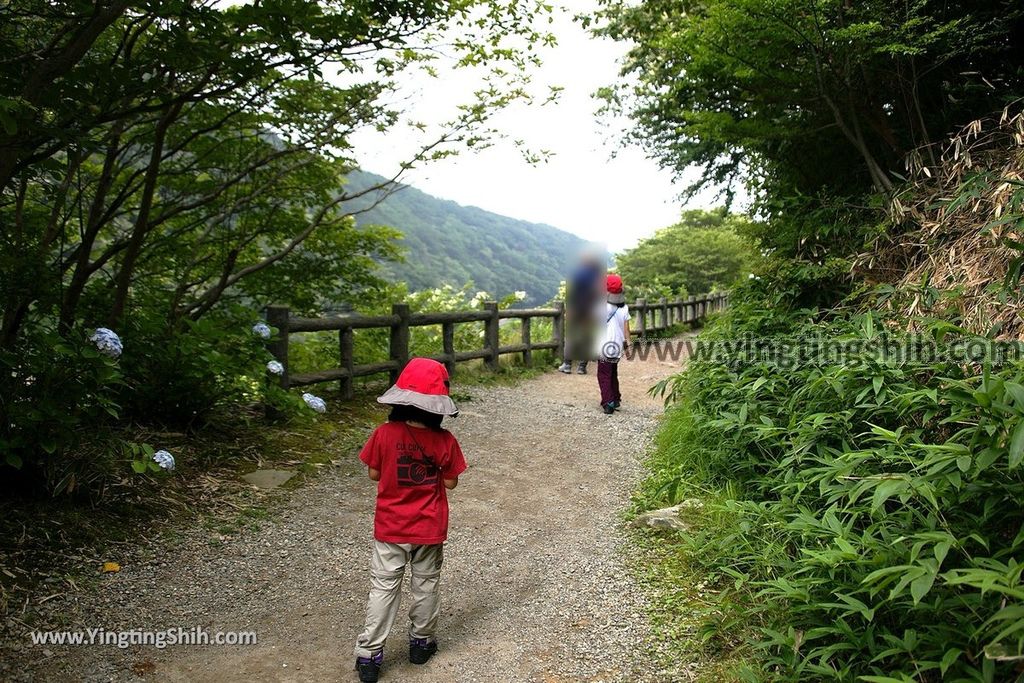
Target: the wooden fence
(647, 317)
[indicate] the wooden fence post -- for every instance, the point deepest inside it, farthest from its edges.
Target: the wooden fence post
(641, 319)
(664, 313)
(399, 345)
(448, 345)
(491, 334)
(345, 346)
(277, 316)
(691, 306)
(528, 352)
(558, 330)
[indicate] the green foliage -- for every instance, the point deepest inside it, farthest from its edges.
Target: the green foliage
(810, 102)
(178, 378)
(861, 519)
(168, 169)
(706, 250)
(448, 244)
(52, 388)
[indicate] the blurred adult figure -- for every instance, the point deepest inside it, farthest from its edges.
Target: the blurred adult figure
(584, 290)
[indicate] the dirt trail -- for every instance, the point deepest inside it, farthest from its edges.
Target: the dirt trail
(534, 586)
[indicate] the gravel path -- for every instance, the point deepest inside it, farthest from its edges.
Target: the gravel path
(535, 585)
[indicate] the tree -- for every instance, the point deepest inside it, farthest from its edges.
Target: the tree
(809, 98)
(703, 251)
(167, 168)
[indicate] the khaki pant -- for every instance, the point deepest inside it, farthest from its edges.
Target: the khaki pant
(387, 565)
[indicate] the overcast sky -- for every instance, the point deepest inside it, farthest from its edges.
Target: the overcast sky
(581, 189)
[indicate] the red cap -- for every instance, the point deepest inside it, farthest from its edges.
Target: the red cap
(424, 376)
(614, 284)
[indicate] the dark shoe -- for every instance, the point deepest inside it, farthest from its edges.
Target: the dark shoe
(609, 408)
(421, 649)
(369, 667)
(582, 369)
(616, 405)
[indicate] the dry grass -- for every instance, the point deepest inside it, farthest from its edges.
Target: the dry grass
(951, 250)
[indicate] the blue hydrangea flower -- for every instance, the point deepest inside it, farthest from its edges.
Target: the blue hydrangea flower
(275, 368)
(315, 403)
(108, 343)
(164, 459)
(261, 330)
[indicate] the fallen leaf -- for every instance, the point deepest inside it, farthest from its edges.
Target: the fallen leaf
(111, 567)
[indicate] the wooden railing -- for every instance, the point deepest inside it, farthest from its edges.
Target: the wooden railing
(647, 317)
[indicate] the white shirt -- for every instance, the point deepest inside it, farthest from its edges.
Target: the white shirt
(610, 343)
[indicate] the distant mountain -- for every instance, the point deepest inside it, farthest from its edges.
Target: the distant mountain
(447, 243)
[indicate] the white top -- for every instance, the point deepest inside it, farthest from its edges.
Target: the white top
(610, 343)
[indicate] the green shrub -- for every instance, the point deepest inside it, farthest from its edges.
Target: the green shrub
(67, 411)
(178, 377)
(863, 518)
(50, 387)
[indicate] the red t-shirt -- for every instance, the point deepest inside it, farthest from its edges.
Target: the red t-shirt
(412, 506)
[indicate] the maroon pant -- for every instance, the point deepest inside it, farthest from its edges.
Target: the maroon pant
(608, 380)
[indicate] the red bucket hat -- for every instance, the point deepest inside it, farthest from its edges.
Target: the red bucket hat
(424, 384)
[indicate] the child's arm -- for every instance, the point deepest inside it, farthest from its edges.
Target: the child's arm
(374, 474)
(625, 331)
(451, 483)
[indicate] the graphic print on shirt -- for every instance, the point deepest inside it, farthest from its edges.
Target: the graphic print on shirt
(414, 470)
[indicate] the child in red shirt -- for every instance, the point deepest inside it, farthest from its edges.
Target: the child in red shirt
(414, 462)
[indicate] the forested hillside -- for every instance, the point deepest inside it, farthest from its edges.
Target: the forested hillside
(446, 243)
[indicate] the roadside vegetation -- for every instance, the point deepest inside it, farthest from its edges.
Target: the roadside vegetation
(858, 514)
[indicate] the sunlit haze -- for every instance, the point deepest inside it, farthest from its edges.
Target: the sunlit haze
(580, 188)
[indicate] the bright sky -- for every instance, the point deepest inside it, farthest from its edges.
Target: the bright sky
(581, 189)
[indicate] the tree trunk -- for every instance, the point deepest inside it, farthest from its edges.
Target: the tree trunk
(80, 276)
(141, 228)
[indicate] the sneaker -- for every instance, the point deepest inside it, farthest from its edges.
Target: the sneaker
(565, 367)
(616, 405)
(609, 408)
(421, 649)
(369, 667)
(582, 369)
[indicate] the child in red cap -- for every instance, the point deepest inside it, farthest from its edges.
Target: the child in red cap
(613, 340)
(414, 462)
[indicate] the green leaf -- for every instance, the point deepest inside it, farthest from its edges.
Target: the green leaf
(14, 460)
(952, 654)
(1016, 391)
(139, 466)
(886, 490)
(920, 586)
(1017, 444)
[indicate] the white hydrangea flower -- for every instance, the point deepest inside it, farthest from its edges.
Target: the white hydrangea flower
(275, 368)
(261, 330)
(519, 295)
(752, 276)
(108, 343)
(315, 403)
(164, 459)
